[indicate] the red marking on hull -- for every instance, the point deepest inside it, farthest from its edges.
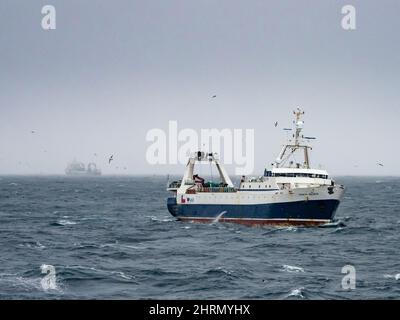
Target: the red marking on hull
(259, 222)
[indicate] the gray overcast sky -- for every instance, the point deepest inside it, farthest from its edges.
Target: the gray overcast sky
(112, 70)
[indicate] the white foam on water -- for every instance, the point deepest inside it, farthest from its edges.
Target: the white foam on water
(338, 229)
(118, 246)
(153, 218)
(218, 217)
(117, 273)
(129, 246)
(39, 245)
(222, 269)
(65, 222)
(122, 275)
(20, 283)
(82, 267)
(394, 276)
(332, 224)
(290, 228)
(36, 245)
(296, 293)
(289, 268)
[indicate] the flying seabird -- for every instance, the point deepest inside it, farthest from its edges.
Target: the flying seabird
(379, 164)
(214, 96)
(111, 159)
(276, 123)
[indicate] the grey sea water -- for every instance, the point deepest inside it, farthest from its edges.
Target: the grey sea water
(112, 237)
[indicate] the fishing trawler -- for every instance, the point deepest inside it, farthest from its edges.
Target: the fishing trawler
(288, 193)
(76, 168)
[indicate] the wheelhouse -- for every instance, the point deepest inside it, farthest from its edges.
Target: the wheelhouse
(268, 173)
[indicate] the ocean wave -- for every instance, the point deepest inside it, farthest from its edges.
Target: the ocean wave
(157, 219)
(296, 293)
(333, 224)
(289, 228)
(85, 245)
(123, 275)
(123, 253)
(48, 283)
(289, 268)
(119, 246)
(17, 282)
(220, 270)
(95, 273)
(64, 222)
(337, 230)
(394, 276)
(33, 245)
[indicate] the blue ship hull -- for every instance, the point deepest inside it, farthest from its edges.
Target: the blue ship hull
(312, 212)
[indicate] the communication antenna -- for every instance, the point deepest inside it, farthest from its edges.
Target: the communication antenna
(298, 125)
(210, 161)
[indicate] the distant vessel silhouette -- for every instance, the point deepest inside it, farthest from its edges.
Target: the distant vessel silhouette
(76, 168)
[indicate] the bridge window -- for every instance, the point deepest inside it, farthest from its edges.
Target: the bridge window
(300, 174)
(268, 173)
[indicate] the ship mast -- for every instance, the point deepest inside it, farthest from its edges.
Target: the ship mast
(299, 125)
(295, 144)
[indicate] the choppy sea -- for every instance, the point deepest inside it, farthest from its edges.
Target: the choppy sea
(112, 237)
